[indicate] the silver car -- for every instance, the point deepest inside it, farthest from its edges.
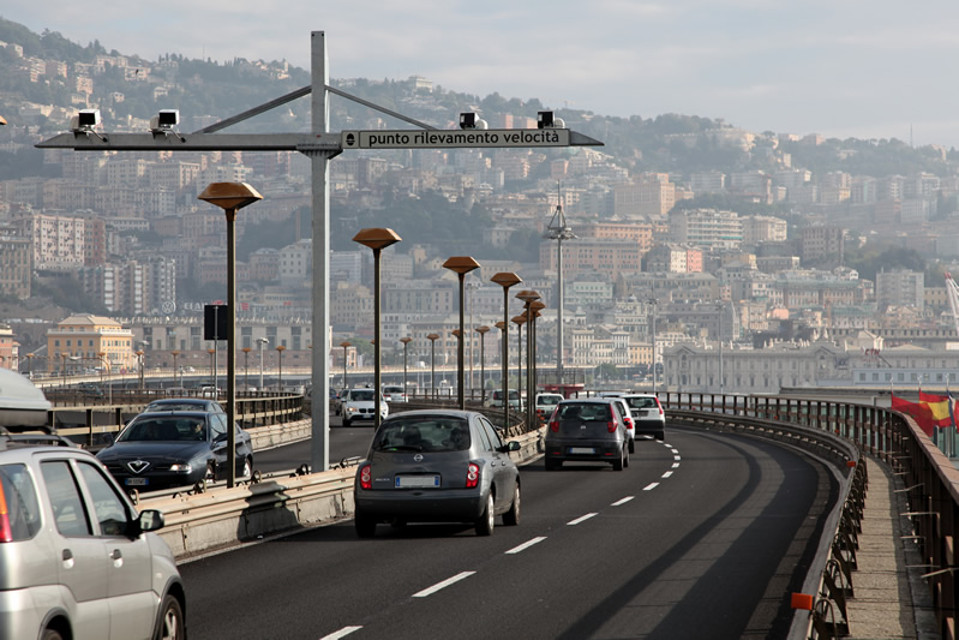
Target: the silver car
(648, 415)
(76, 559)
(437, 466)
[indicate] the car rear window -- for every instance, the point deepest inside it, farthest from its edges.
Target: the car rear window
(19, 509)
(423, 434)
(587, 412)
(641, 403)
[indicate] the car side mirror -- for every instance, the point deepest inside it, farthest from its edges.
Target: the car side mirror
(148, 520)
(512, 445)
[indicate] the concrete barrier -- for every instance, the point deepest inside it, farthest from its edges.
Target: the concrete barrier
(223, 518)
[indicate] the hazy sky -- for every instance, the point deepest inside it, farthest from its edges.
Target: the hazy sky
(859, 68)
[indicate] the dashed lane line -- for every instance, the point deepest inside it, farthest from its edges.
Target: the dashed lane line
(651, 486)
(342, 633)
(526, 545)
(622, 501)
(442, 585)
(573, 523)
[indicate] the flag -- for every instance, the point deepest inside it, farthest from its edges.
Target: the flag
(920, 412)
(939, 406)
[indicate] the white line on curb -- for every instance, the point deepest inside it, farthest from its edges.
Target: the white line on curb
(342, 633)
(581, 519)
(442, 585)
(526, 545)
(622, 501)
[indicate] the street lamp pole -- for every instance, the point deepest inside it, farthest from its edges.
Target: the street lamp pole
(433, 337)
(519, 321)
(230, 196)
(261, 342)
(406, 343)
(482, 331)
(376, 239)
(346, 345)
(279, 367)
(505, 279)
(246, 368)
(175, 353)
(652, 302)
(461, 265)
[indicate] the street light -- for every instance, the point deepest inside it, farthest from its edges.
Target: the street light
(230, 196)
(175, 353)
(433, 337)
(139, 353)
(261, 342)
(505, 279)
(482, 331)
(652, 302)
(376, 239)
(279, 367)
(519, 321)
(213, 375)
(346, 345)
(722, 377)
(103, 368)
(461, 265)
(406, 343)
(246, 368)
(529, 297)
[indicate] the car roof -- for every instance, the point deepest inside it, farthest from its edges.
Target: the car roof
(449, 413)
(605, 400)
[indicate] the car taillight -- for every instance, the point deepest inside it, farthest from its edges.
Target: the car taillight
(554, 426)
(659, 406)
(366, 477)
(472, 475)
(611, 426)
(6, 533)
(629, 422)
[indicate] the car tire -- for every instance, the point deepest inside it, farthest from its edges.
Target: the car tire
(618, 464)
(171, 625)
(632, 446)
(51, 634)
(485, 523)
(365, 525)
(661, 436)
(247, 469)
(511, 517)
(346, 422)
(553, 465)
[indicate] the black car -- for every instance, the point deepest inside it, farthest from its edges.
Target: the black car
(437, 466)
(590, 430)
(158, 450)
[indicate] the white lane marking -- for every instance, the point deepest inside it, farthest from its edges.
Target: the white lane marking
(581, 519)
(667, 474)
(651, 486)
(526, 545)
(675, 465)
(342, 633)
(442, 585)
(622, 501)
(677, 458)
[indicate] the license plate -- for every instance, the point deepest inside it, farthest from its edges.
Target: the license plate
(418, 482)
(137, 482)
(582, 450)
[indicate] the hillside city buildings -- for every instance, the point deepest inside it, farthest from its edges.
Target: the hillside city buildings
(645, 281)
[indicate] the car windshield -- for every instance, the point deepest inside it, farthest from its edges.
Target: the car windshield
(365, 395)
(164, 430)
(641, 403)
(586, 412)
(423, 433)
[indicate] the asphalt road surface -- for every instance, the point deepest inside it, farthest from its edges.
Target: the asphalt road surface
(703, 536)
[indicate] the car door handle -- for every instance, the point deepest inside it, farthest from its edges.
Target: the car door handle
(116, 555)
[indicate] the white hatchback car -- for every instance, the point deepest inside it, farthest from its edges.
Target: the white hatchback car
(76, 559)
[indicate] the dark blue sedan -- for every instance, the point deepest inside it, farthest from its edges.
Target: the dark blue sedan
(158, 450)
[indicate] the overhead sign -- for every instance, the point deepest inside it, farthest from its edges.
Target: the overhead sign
(432, 139)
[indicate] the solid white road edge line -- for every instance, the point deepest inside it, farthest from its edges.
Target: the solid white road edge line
(526, 545)
(442, 585)
(581, 519)
(342, 633)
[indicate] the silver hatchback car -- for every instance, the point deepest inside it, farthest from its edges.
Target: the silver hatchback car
(76, 559)
(437, 466)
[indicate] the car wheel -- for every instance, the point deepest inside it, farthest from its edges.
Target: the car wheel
(511, 517)
(247, 471)
(618, 463)
(346, 422)
(484, 524)
(632, 446)
(626, 459)
(171, 625)
(553, 465)
(365, 525)
(661, 436)
(51, 634)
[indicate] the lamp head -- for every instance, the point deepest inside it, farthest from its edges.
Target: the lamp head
(230, 195)
(461, 264)
(506, 279)
(377, 238)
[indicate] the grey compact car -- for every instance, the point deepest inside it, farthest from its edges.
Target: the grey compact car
(76, 559)
(590, 429)
(437, 466)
